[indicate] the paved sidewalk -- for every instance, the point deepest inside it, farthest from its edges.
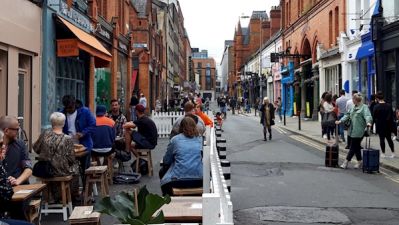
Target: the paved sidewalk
(312, 130)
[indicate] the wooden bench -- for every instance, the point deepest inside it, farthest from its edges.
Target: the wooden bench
(65, 189)
(94, 175)
(84, 215)
(146, 155)
(187, 191)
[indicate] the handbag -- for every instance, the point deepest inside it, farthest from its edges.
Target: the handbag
(328, 119)
(347, 124)
(272, 122)
(43, 169)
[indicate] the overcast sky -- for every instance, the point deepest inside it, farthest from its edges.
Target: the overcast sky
(210, 22)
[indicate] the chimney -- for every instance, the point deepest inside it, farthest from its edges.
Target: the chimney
(275, 20)
(265, 31)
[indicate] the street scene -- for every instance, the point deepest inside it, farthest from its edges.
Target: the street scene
(274, 112)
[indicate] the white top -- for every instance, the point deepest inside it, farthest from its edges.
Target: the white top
(328, 107)
(71, 118)
(143, 101)
(349, 105)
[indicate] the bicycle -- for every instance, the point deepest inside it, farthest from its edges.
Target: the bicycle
(21, 132)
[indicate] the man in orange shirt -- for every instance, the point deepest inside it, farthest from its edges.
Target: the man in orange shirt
(207, 121)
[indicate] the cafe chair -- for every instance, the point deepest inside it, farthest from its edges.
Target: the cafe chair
(146, 155)
(94, 175)
(66, 201)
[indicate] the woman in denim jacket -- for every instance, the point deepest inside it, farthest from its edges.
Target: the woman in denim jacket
(360, 118)
(183, 156)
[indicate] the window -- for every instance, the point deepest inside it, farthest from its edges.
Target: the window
(333, 79)
(24, 90)
(355, 76)
(336, 25)
(363, 77)
(330, 29)
(391, 11)
(3, 82)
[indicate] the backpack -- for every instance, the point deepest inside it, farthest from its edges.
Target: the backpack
(126, 178)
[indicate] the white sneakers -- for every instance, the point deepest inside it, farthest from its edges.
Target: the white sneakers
(345, 164)
(383, 156)
(358, 164)
(393, 155)
(325, 136)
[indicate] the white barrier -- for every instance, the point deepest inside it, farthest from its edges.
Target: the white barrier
(217, 208)
(164, 121)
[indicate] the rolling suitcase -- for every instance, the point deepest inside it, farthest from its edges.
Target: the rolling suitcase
(371, 158)
(332, 152)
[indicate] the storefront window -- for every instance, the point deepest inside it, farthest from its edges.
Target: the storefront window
(355, 76)
(70, 80)
(122, 80)
(333, 79)
(103, 87)
(3, 82)
(363, 77)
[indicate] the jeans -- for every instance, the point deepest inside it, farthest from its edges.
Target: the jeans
(355, 149)
(341, 126)
(133, 113)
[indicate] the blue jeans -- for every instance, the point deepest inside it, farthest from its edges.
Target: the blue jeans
(341, 126)
(133, 113)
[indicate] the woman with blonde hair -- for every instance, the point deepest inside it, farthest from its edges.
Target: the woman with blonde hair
(360, 118)
(267, 117)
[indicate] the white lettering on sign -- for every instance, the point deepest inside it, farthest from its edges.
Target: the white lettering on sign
(105, 33)
(76, 17)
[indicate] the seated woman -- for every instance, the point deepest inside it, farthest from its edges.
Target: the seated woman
(183, 156)
(57, 148)
(6, 191)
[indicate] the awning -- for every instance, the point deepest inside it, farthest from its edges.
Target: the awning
(87, 42)
(367, 49)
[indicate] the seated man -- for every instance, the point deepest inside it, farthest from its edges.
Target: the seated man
(104, 133)
(16, 160)
(189, 109)
(146, 135)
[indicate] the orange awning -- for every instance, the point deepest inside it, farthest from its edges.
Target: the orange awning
(88, 42)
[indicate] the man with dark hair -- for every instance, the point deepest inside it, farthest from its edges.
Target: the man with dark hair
(384, 122)
(146, 135)
(80, 125)
(189, 109)
(341, 104)
(118, 117)
(16, 161)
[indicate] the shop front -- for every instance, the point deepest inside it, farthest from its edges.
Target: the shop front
(287, 90)
(367, 80)
(103, 77)
(20, 50)
(71, 55)
(122, 84)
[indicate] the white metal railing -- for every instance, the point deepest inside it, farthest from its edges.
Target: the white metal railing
(164, 121)
(217, 208)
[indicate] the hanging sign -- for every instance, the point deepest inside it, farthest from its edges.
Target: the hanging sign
(67, 47)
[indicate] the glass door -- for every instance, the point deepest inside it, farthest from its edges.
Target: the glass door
(24, 92)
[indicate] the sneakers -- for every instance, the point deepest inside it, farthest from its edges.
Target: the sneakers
(358, 164)
(345, 164)
(325, 136)
(383, 156)
(393, 155)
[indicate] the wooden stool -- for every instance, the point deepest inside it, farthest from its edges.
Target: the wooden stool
(84, 215)
(64, 183)
(187, 191)
(33, 211)
(94, 175)
(146, 155)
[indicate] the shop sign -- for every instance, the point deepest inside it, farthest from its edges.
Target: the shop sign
(139, 45)
(71, 14)
(104, 33)
(67, 47)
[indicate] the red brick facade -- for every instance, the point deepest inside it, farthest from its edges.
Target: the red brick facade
(200, 68)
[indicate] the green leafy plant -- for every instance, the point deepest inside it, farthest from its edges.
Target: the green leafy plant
(123, 207)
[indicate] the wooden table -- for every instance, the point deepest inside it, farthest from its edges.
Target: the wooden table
(183, 209)
(25, 192)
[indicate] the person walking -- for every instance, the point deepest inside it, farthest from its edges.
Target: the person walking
(328, 115)
(133, 102)
(349, 106)
(143, 100)
(279, 109)
(341, 104)
(233, 104)
(223, 107)
(360, 118)
(267, 117)
(384, 122)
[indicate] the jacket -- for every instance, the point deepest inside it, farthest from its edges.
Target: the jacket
(103, 134)
(184, 157)
(360, 116)
(263, 111)
(85, 123)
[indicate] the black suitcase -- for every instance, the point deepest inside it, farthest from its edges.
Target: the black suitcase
(332, 152)
(371, 158)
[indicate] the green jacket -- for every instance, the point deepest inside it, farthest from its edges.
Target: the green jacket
(360, 116)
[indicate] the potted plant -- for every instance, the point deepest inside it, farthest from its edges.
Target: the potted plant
(123, 207)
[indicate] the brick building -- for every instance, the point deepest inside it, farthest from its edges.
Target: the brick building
(310, 27)
(205, 72)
